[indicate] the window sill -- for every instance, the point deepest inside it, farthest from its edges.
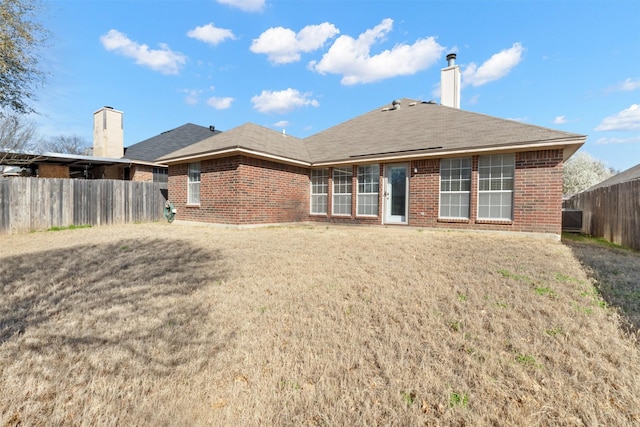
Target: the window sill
(367, 216)
(495, 221)
(324, 215)
(454, 220)
(192, 205)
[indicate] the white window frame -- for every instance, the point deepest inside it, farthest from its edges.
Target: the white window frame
(193, 184)
(455, 181)
(342, 190)
(368, 190)
(496, 181)
(319, 191)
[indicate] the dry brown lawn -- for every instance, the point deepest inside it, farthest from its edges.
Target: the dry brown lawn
(188, 325)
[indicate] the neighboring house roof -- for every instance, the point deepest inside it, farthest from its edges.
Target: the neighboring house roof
(160, 145)
(409, 129)
(250, 139)
(72, 160)
(630, 174)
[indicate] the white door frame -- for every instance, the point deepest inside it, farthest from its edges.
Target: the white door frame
(395, 213)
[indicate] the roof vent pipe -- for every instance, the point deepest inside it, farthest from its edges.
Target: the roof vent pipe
(395, 105)
(451, 59)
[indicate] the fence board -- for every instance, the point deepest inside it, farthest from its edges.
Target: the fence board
(611, 212)
(28, 204)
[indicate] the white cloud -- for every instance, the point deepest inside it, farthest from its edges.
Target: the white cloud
(192, 96)
(211, 34)
(560, 120)
(626, 86)
(282, 45)
(245, 5)
(220, 103)
(606, 141)
(474, 100)
(628, 119)
(281, 124)
(282, 101)
(352, 57)
(164, 59)
(495, 68)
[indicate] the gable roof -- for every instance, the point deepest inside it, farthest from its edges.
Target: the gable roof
(248, 138)
(169, 141)
(630, 174)
(406, 129)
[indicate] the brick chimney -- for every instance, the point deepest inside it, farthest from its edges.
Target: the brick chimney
(450, 83)
(108, 133)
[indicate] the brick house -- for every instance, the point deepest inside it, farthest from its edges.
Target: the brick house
(408, 163)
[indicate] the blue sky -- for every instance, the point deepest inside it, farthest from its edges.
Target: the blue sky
(306, 65)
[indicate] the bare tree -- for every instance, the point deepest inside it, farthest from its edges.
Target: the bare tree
(17, 135)
(21, 35)
(583, 171)
(67, 144)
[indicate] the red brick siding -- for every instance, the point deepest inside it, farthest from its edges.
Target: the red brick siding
(537, 197)
(142, 173)
(242, 190)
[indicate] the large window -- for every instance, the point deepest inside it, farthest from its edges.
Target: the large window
(368, 187)
(193, 189)
(495, 186)
(319, 190)
(455, 188)
(342, 191)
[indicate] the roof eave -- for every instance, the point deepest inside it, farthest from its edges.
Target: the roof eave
(237, 150)
(570, 146)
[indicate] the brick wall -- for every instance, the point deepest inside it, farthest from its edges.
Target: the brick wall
(141, 173)
(537, 198)
(53, 171)
(242, 190)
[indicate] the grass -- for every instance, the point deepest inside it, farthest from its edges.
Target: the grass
(182, 325)
(68, 227)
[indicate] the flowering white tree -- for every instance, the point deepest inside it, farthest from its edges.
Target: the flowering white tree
(582, 171)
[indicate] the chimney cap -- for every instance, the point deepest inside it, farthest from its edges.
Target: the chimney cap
(451, 59)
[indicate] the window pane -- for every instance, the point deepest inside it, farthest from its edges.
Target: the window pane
(193, 184)
(455, 185)
(319, 190)
(368, 187)
(495, 186)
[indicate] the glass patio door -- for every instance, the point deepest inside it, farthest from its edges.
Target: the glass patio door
(396, 200)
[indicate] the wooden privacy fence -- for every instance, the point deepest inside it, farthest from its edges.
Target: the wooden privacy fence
(28, 204)
(611, 212)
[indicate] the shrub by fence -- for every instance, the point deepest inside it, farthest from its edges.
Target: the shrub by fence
(611, 212)
(28, 204)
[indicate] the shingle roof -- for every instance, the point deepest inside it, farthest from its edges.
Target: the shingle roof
(630, 174)
(248, 137)
(414, 129)
(417, 127)
(160, 145)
